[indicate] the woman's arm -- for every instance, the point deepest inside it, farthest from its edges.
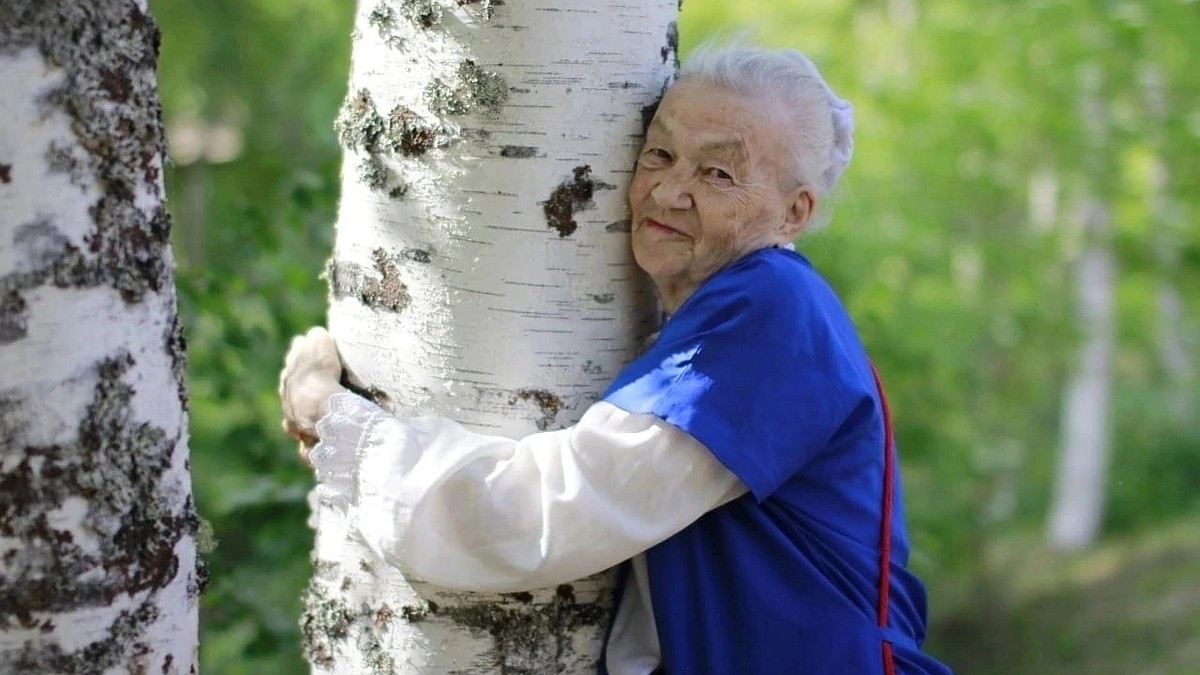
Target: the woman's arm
(486, 513)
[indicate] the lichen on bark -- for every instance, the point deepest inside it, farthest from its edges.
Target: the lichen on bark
(385, 291)
(99, 512)
(324, 623)
(424, 13)
(115, 116)
(116, 466)
(125, 643)
(358, 124)
(488, 6)
(472, 88)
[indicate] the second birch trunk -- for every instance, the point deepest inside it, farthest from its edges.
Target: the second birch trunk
(482, 272)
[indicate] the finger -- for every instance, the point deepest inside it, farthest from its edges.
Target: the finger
(300, 433)
(305, 452)
(291, 350)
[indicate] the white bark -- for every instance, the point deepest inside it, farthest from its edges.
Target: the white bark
(98, 569)
(1079, 489)
(481, 271)
(1077, 507)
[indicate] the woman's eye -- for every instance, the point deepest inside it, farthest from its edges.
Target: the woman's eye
(657, 155)
(719, 173)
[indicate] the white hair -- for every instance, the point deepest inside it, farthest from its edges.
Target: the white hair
(821, 125)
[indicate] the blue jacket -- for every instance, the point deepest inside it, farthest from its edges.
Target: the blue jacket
(764, 367)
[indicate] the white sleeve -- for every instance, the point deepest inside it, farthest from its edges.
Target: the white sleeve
(486, 513)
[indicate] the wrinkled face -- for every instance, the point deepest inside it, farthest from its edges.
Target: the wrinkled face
(713, 183)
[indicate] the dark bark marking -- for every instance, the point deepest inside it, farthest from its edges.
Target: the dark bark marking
(176, 343)
(417, 613)
(650, 109)
(569, 197)
(548, 404)
(670, 51)
(648, 112)
(373, 394)
(518, 151)
(14, 320)
(619, 226)
(604, 298)
(525, 636)
(409, 135)
(117, 84)
(417, 255)
(5, 173)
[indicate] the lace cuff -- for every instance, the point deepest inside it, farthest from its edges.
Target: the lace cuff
(342, 430)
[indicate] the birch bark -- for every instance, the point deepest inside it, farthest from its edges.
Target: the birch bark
(1077, 508)
(98, 569)
(482, 271)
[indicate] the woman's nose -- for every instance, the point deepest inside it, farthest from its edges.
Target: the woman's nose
(672, 192)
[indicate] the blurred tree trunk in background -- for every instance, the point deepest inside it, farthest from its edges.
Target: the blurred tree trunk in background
(1077, 509)
(482, 271)
(98, 568)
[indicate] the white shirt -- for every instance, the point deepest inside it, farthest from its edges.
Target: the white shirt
(491, 514)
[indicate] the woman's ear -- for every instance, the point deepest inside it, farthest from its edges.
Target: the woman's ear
(799, 211)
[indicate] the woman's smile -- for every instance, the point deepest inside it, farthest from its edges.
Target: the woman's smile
(659, 226)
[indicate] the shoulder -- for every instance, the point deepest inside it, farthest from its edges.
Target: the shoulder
(769, 290)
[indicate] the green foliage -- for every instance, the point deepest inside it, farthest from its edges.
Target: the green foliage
(252, 234)
(951, 240)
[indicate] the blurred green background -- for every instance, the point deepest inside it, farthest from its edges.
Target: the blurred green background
(952, 241)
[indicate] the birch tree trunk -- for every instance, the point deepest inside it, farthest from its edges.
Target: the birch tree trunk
(1078, 502)
(482, 271)
(98, 570)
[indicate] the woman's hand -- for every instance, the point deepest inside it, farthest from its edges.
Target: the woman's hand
(311, 374)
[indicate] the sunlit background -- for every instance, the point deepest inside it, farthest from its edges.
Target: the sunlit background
(1017, 232)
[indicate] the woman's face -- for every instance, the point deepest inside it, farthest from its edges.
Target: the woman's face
(713, 182)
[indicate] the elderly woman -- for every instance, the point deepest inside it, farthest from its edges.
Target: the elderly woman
(744, 463)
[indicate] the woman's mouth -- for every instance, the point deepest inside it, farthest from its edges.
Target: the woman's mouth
(663, 227)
